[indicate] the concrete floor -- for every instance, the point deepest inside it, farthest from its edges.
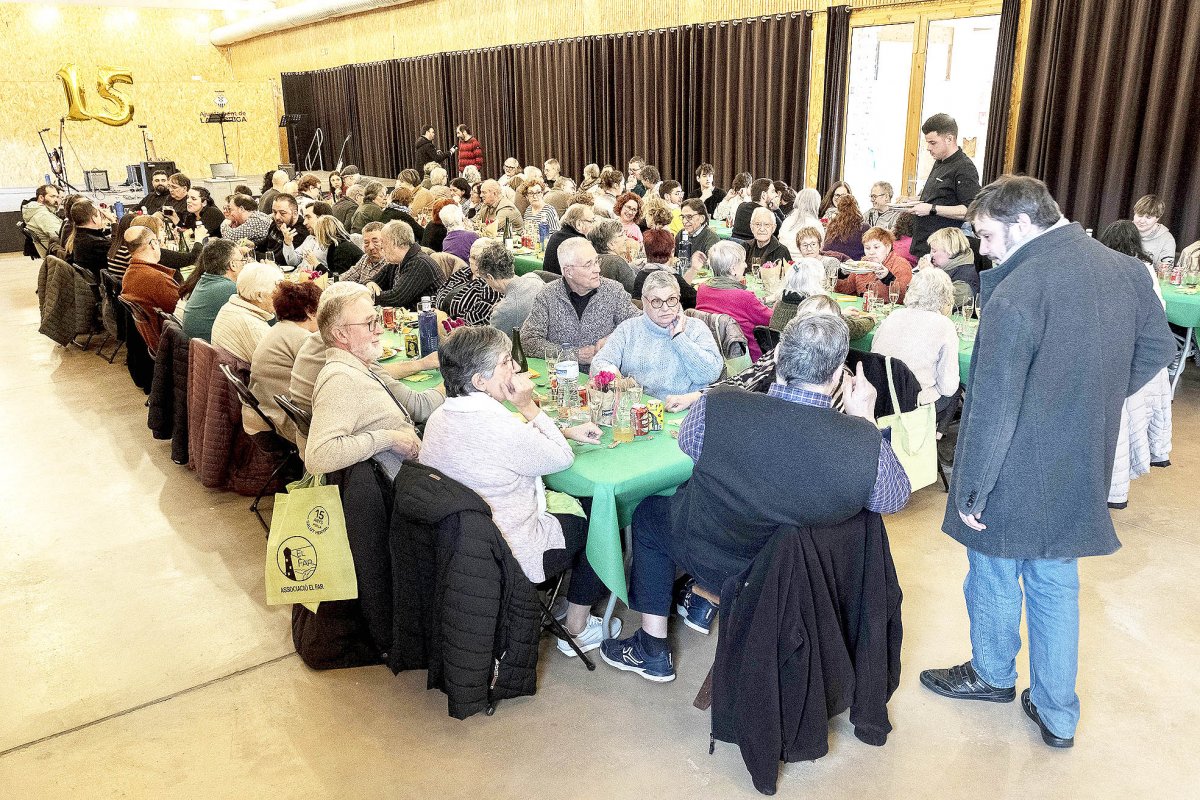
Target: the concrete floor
(140, 661)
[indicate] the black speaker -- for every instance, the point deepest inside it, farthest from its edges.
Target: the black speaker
(147, 169)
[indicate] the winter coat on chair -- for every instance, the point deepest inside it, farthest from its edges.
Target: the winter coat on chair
(464, 608)
(168, 415)
(1145, 435)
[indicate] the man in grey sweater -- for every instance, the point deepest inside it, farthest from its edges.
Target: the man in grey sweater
(581, 310)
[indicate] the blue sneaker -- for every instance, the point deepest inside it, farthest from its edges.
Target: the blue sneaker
(698, 613)
(630, 655)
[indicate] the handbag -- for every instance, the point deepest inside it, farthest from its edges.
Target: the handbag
(914, 437)
(308, 553)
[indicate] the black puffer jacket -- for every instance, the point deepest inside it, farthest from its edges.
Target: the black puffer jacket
(464, 608)
(167, 417)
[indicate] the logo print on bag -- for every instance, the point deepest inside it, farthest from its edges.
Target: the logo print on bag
(318, 520)
(297, 558)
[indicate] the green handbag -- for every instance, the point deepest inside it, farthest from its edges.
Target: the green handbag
(914, 437)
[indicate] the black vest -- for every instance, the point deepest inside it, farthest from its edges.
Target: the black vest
(766, 463)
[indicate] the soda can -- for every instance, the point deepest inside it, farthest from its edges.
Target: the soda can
(657, 414)
(583, 396)
(412, 344)
(641, 419)
(389, 317)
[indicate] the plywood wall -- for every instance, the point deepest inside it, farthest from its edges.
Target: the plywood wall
(175, 71)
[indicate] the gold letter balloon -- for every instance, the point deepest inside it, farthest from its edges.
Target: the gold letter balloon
(121, 110)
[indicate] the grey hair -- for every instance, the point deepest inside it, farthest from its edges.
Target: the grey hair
(603, 233)
(808, 204)
(565, 185)
(493, 259)
(332, 306)
(812, 349)
(372, 190)
(930, 290)
(399, 233)
(819, 304)
(571, 249)
(763, 211)
(451, 216)
(470, 351)
(574, 213)
(356, 192)
(437, 176)
(256, 282)
(660, 279)
(470, 170)
(806, 277)
(724, 256)
(885, 186)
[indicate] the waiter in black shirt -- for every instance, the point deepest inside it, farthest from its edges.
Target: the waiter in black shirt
(952, 185)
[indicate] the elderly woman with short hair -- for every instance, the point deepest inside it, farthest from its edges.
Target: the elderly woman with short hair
(804, 216)
(726, 294)
(950, 252)
(295, 306)
(466, 295)
(660, 251)
(804, 279)
(538, 211)
(922, 336)
(459, 234)
(892, 272)
(472, 439)
(245, 319)
(608, 237)
(664, 350)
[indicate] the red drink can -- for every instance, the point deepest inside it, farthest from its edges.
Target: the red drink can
(389, 318)
(583, 396)
(641, 420)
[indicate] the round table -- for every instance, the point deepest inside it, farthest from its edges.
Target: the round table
(1183, 309)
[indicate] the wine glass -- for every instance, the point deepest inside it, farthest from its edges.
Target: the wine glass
(968, 308)
(893, 297)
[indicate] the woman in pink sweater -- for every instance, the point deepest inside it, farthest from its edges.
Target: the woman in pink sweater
(726, 294)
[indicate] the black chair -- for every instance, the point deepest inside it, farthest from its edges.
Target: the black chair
(271, 441)
(300, 418)
(110, 287)
(767, 338)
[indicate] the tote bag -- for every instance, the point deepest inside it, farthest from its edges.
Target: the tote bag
(308, 555)
(914, 437)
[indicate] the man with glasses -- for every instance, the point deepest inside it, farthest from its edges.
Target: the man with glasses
(762, 194)
(512, 168)
(764, 247)
(879, 215)
(174, 205)
(147, 283)
(576, 223)
(695, 224)
(359, 411)
(663, 350)
(581, 310)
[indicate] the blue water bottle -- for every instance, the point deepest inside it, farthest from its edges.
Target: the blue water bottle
(427, 327)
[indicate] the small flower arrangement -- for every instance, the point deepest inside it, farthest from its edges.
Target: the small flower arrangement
(604, 390)
(602, 380)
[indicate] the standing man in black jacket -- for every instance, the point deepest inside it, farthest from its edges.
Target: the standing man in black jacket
(952, 184)
(427, 151)
(1053, 365)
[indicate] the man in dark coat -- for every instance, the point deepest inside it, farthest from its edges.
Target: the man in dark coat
(1054, 360)
(427, 151)
(576, 223)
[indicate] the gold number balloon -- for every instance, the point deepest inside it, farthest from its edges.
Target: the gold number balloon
(106, 80)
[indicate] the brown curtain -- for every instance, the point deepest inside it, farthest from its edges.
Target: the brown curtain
(748, 104)
(644, 74)
(298, 91)
(376, 134)
(1109, 108)
(419, 90)
(554, 102)
(1002, 81)
(333, 109)
(478, 86)
(837, 80)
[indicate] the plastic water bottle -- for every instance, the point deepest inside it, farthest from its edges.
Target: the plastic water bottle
(567, 374)
(427, 327)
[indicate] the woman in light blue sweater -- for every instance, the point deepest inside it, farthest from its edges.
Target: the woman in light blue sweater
(663, 350)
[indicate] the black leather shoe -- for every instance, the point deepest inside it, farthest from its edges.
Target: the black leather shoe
(1119, 505)
(961, 683)
(1047, 737)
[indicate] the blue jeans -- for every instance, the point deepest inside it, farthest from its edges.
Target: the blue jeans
(1051, 595)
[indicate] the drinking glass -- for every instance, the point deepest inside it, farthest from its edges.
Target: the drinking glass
(893, 297)
(968, 308)
(978, 306)
(622, 419)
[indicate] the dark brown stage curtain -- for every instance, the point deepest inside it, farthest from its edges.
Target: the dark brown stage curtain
(645, 75)
(554, 101)
(478, 86)
(1001, 102)
(1108, 108)
(376, 131)
(418, 86)
(837, 80)
(298, 88)
(748, 104)
(333, 108)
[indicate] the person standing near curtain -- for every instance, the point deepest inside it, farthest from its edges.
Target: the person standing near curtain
(426, 151)
(470, 151)
(952, 184)
(1028, 497)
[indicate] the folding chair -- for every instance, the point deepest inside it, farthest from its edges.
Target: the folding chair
(299, 417)
(110, 286)
(270, 440)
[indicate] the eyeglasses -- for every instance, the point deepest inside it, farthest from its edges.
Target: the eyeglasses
(762, 226)
(809, 245)
(877, 196)
(374, 324)
(670, 302)
(533, 193)
(689, 217)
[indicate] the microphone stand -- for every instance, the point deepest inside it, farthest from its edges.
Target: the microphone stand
(342, 152)
(145, 142)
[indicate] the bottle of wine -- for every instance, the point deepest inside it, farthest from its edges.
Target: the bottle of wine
(508, 235)
(518, 353)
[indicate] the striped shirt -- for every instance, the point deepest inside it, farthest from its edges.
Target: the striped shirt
(891, 490)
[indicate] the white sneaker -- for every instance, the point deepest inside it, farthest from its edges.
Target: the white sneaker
(591, 637)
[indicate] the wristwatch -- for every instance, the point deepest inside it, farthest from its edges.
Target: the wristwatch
(933, 210)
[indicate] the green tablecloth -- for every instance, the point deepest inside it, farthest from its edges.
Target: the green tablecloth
(863, 343)
(527, 262)
(616, 479)
(1182, 309)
